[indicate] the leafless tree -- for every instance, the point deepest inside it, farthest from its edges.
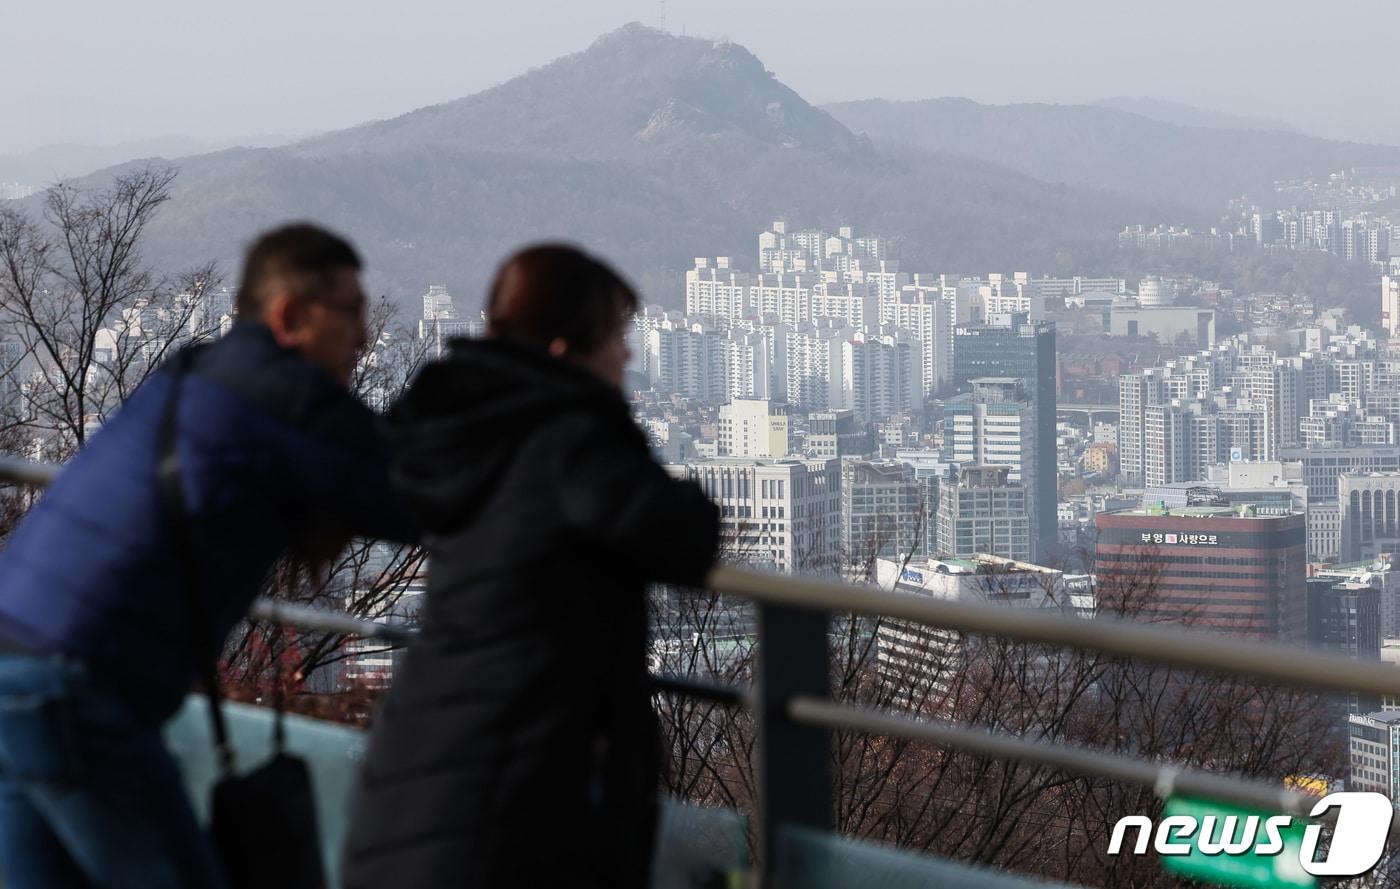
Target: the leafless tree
(1014, 815)
(90, 316)
(90, 321)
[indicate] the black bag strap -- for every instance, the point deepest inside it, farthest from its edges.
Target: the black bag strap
(172, 496)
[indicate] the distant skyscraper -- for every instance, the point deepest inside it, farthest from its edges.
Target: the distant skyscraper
(786, 297)
(11, 386)
(715, 290)
(688, 358)
(811, 360)
(925, 311)
(812, 250)
(1208, 566)
(995, 425)
(1017, 295)
(442, 322)
(1182, 439)
(771, 335)
(747, 372)
(440, 333)
(1277, 386)
(1344, 617)
(218, 303)
(438, 305)
(639, 343)
(1379, 575)
(1136, 394)
(1365, 240)
(1022, 350)
(877, 374)
(857, 304)
(210, 314)
(1266, 228)
(1390, 305)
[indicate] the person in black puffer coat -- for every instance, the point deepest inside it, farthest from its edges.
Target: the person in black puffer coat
(517, 747)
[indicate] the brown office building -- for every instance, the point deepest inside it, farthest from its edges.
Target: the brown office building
(1211, 567)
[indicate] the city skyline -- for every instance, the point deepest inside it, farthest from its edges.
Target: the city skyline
(959, 480)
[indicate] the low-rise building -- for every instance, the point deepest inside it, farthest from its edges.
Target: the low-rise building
(882, 510)
(1370, 514)
(753, 427)
(1168, 324)
(983, 512)
(1101, 458)
(835, 434)
(1374, 753)
(905, 646)
(779, 513)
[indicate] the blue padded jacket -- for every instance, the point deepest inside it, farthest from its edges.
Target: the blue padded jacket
(272, 449)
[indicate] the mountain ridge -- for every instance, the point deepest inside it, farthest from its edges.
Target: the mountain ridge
(1185, 115)
(1125, 152)
(39, 167)
(696, 69)
(646, 147)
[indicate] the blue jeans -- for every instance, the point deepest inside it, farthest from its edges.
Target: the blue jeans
(89, 796)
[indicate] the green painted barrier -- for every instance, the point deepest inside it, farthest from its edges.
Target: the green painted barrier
(1219, 824)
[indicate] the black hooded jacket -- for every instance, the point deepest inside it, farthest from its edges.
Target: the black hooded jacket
(516, 747)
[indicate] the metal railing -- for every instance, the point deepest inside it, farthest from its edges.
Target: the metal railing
(795, 715)
(280, 611)
(27, 472)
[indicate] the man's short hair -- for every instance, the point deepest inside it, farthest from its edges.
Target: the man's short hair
(300, 258)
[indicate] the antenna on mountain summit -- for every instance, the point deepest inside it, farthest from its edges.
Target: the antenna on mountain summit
(663, 15)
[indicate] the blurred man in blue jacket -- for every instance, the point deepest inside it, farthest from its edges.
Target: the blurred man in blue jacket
(98, 642)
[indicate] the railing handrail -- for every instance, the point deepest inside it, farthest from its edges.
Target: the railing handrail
(1165, 779)
(18, 471)
(307, 617)
(1171, 646)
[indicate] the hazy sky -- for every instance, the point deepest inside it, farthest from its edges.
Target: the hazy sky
(99, 71)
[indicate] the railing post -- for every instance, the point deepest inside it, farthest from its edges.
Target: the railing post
(794, 761)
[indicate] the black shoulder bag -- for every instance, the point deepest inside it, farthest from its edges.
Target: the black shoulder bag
(263, 823)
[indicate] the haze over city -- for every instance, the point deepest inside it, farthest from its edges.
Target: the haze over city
(241, 72)
(668, 444)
